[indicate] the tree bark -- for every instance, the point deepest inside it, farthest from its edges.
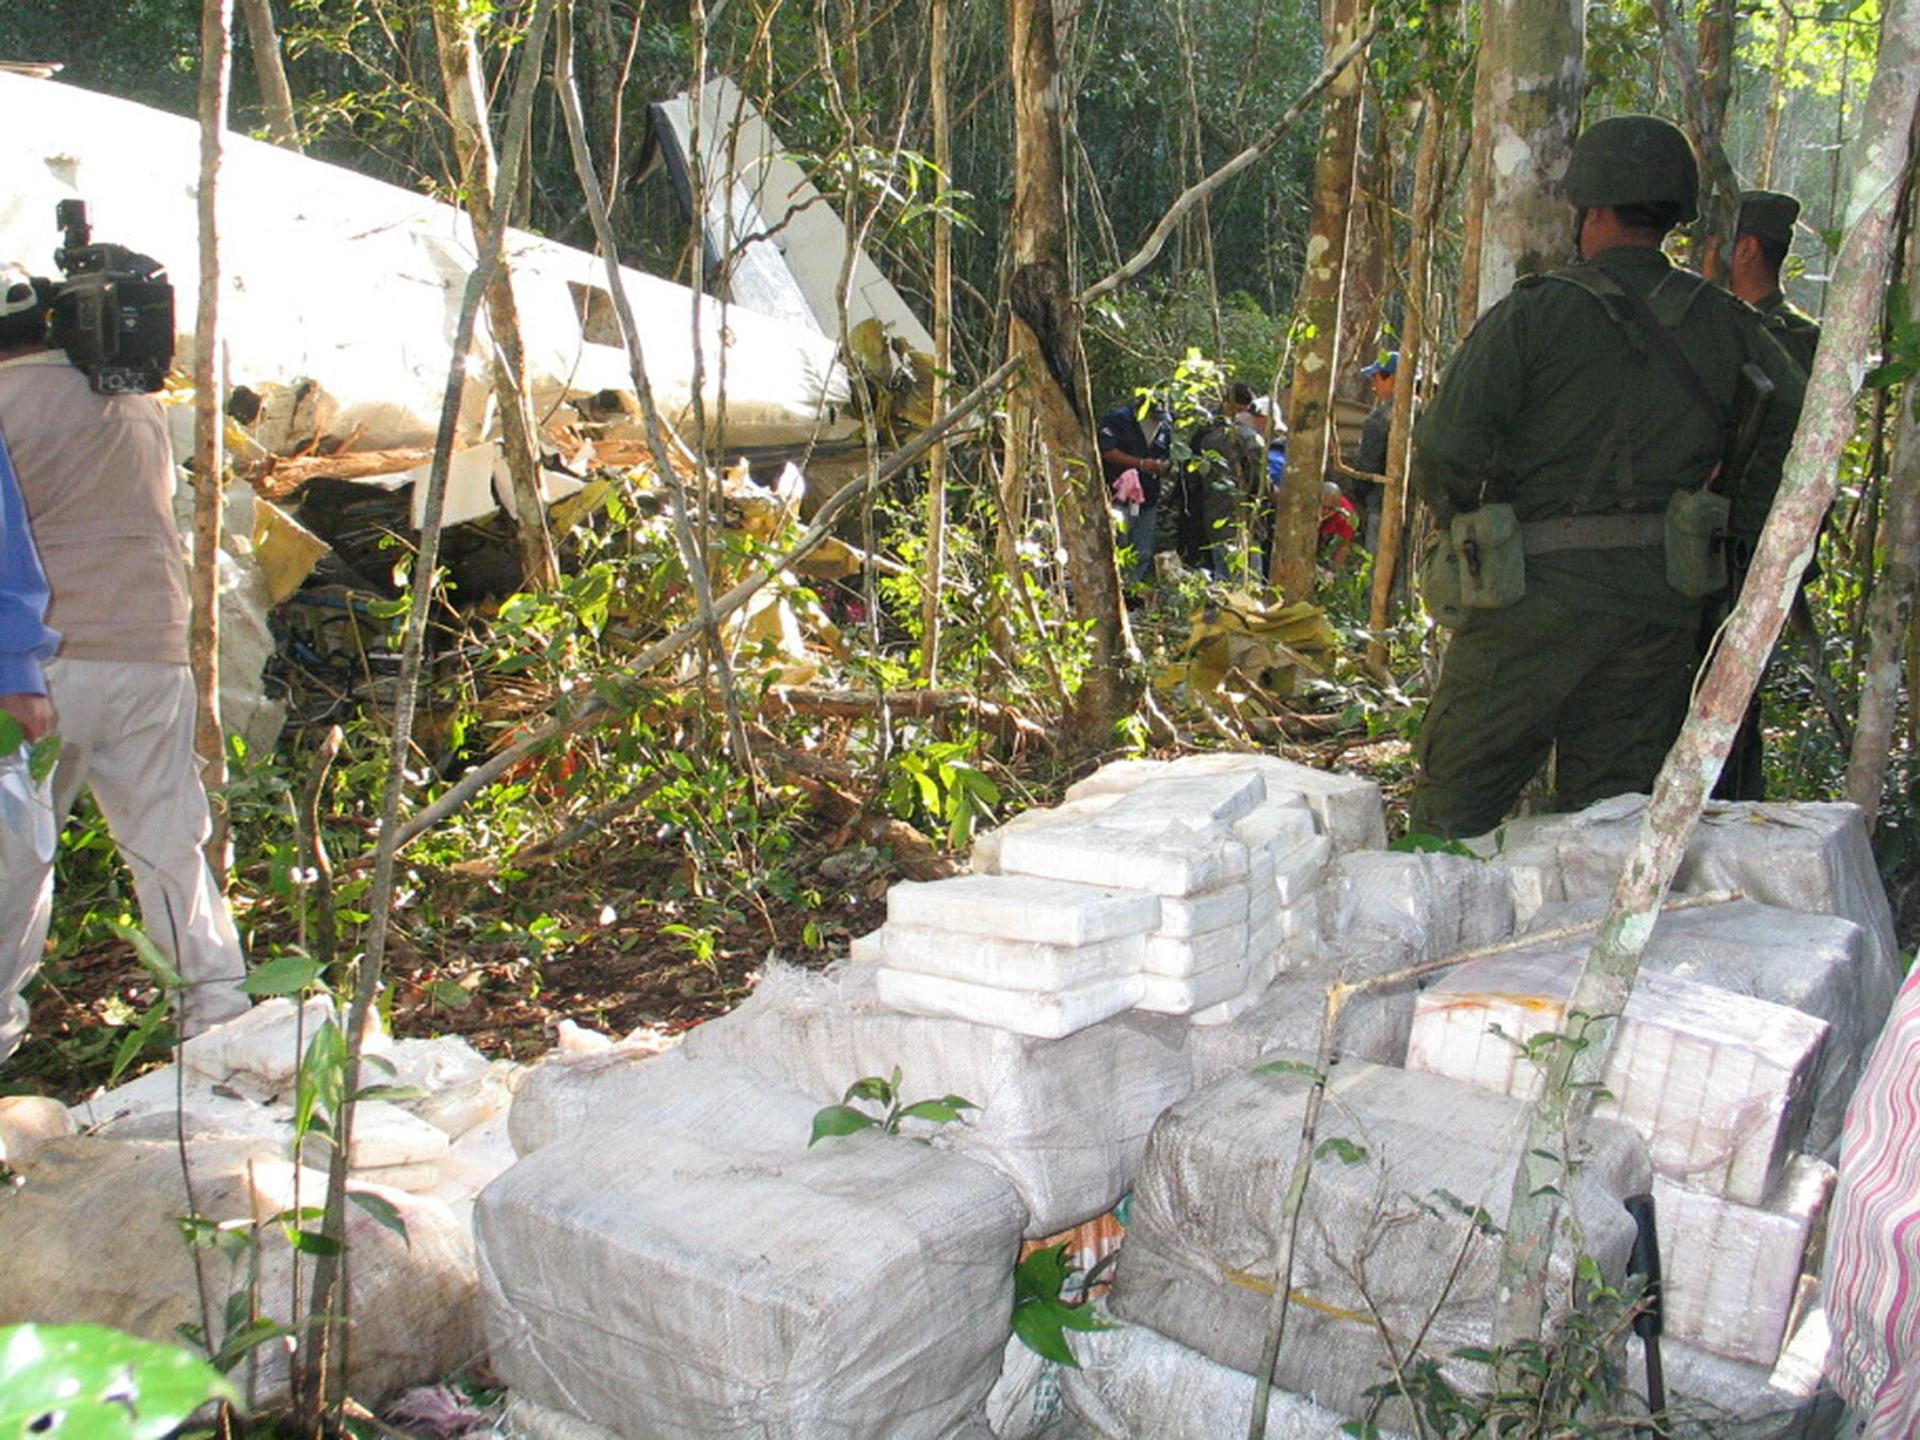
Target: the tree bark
(1053, 399)
(1528, 105)
(263, 40)
(931, 582)
(321, 1362)
(1393, 504)
(209, 427)
(1890, 611)
(1369, 240)
(459, 54)
(1776, 95)
(692, 558)
(1296, 522)
(1733, 671)
(1719, 186)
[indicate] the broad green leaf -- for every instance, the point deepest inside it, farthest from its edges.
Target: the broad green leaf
(134, 1042)
(44, 756)
(872, 1087)
(312, 1242)
(1341, 1149)
(157, 964)
(839, 1120)
(1041, 1274)
(1085, 1318)
(1289, 1067)
(86, 1382)
(1039, 1330)
(12, 734)
(382, 1210)
(286, 975)
(941, 1112)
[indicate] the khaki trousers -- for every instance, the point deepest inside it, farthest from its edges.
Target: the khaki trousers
(126, 734)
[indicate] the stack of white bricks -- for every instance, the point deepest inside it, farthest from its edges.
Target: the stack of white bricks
(1721, 1088)
(1178, 889)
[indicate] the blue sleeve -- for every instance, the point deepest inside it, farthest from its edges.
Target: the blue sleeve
(25, 640)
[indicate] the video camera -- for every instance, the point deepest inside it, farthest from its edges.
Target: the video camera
(113, 313)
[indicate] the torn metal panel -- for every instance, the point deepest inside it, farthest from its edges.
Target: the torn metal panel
(350, 287)
(773, 243)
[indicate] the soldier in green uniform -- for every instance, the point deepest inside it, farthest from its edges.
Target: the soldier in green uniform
(1762, 237)
(1763, 234)
(1566, 424)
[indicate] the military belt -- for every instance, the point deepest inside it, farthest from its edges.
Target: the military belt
(1593, 532)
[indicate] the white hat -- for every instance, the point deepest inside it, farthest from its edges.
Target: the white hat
(17, 291)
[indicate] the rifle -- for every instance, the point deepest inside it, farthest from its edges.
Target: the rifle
(1740, 777)
(1650, 1319)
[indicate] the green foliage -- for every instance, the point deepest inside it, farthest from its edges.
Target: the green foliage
(847, 1119)
(1041, 1318)
(935, 783)
(1418, 842)
(86, 1382)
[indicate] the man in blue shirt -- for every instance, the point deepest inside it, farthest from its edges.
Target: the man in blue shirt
(25, 640)
(1125, 444)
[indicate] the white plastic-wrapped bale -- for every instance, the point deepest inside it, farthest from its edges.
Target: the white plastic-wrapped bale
(1373, 1026)
(1388, 910)
(1811, 857)
(1066, 1120)
(1720, 1085)
(92, 1236)
(1731, 1273)
(562, 1091)
(1816, 964)
(259, 1051)
(1192, 954)
(1188, 796)
(29, 1121)
(1207, 1223)
(1042, 1014)
(984, 857)
(1710, 1397)
(1022, 907)
(1196, 991)
(1008, 964)
(697, 1269)
(1176, 858)
(1348, 808)
(1136, 1384)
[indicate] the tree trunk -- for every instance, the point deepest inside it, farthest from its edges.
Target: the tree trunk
(1472, 227)
(1369, 241)
(1720, 195)
(599, 59)
(1776, 96)
(1528, 105)
(1826, 421)
(209, 426)
(1393, 505)
(459, 55)
(942, 345)
(1296, 522)
(1890, 611)
(1719, 187)
(1053, 398)
(271, 71)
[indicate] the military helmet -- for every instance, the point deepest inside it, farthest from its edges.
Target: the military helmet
(1633, 160)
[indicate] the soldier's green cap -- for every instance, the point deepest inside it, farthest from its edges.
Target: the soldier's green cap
(1633, 160)
(1768, 214)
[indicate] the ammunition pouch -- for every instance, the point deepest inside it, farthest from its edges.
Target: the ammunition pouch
(1439, 580)
(1490, 557)
(1696, 542)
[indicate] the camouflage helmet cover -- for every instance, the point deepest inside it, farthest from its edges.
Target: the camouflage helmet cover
(1633, 160)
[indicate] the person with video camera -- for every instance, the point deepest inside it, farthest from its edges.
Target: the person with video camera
(95, 470)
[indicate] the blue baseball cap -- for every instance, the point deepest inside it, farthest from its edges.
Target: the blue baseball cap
(1388, 364)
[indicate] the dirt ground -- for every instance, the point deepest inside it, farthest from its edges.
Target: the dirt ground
(612, 965)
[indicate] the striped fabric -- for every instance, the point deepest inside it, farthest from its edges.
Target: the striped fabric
(1873, 1248)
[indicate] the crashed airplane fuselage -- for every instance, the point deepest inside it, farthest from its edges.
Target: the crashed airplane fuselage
(335, 280)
